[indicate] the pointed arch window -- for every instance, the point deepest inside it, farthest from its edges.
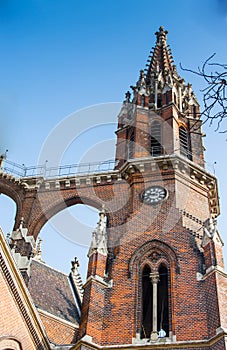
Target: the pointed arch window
(156, 139)
(155, 302)
(147, 295)
(163, 300)
(184, 144)
(159, 102)
(151, 267)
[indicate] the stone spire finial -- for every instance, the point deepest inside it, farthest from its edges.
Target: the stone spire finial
(99, 239)
(210, 227)
(21, 223)
(127, 96)
(38, 251)
(93, 245)
(2, 158)
(102, 221)
(161, 35)
(210, 232)
(76, 278)
(75, 266)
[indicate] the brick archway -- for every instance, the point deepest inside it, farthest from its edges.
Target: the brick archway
(46, 200)
(44, 216)
(15, 190)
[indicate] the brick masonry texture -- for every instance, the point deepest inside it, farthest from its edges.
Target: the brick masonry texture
(15, 325)
(58, 332)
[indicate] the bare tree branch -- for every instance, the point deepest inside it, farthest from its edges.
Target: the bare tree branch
(214, 108)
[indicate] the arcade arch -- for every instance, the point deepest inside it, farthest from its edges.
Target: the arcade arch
(68, 234)
(8, 210)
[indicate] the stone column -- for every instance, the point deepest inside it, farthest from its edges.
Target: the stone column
(180, 98)
(154, 276)
(156, 93)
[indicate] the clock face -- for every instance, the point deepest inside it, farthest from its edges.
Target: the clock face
(154, 195)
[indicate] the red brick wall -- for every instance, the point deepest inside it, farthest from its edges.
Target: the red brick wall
(59, 332)
(192, 316)
(12, 323)
(221, 280)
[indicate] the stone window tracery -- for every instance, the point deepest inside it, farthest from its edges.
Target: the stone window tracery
(153, 268)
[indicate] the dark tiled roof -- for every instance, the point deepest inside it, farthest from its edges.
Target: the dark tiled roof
(51, 291)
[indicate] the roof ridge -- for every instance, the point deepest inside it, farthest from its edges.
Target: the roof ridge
(50, 267)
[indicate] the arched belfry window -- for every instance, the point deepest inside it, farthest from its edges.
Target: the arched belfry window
(152, 267)
(156, 139)
(155, 302)
(147, 294)
(183, 136)
(163, 300)
(142, 101)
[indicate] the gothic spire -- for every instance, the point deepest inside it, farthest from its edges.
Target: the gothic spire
(161, 59)
(160, 78)
(160, 71)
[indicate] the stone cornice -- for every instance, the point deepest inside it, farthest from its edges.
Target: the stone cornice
(174, 162)
(84, 344)
(182, 167)
(99, 280)
(212, 270)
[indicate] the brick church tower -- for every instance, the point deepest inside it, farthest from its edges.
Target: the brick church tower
(155, 274)
(155, 271)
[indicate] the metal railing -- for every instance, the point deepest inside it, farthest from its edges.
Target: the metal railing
(21, 171)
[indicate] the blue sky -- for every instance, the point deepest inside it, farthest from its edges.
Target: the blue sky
(60, 56)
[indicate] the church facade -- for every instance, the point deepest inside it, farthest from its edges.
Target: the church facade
(155, 274)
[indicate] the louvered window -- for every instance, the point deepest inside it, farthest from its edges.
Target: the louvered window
(183, 134)
(156, 139)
